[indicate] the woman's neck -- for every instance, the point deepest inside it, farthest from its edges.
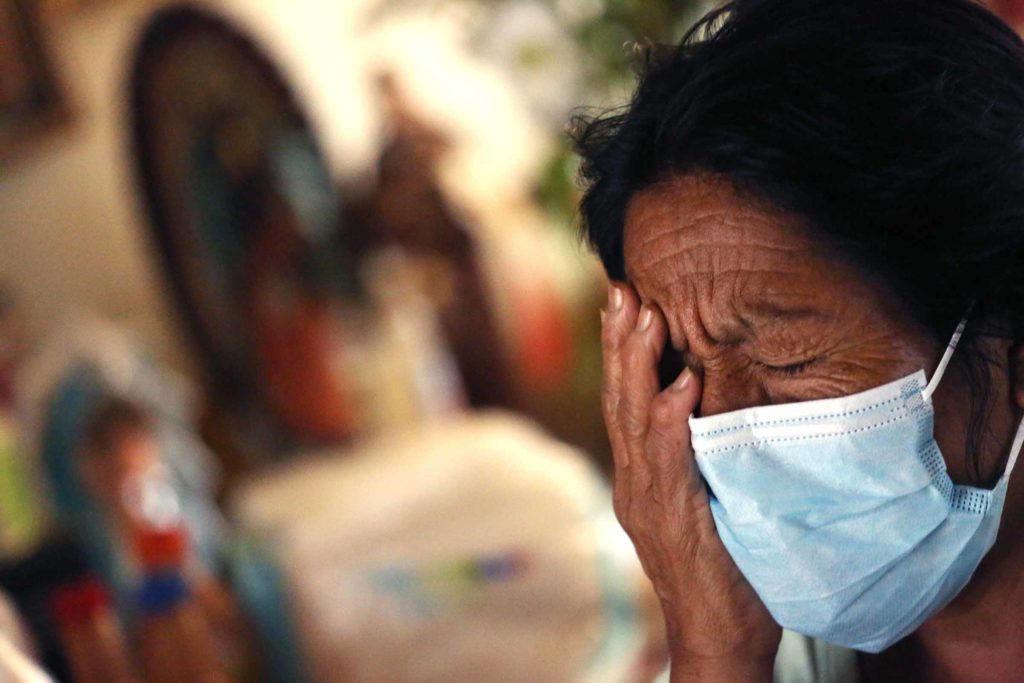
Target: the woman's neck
(980, 635)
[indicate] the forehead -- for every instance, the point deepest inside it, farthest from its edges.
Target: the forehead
(696, 231)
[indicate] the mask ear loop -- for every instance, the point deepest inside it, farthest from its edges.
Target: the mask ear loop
(933, 384)
(1018, 438)
(1018, 441)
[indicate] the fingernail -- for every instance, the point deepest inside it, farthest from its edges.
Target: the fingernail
(683, 381)
(646, 318)
(604, 315)
(614, 298)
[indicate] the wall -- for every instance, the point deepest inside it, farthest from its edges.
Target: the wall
(73, 238)
(70, 232)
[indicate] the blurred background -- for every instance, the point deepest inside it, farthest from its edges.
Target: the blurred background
(299, 350)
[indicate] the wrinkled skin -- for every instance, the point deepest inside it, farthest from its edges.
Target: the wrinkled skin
(762, 313)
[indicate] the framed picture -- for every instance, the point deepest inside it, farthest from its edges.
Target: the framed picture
(31, 101)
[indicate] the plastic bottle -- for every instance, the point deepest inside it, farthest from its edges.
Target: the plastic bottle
(176, 642)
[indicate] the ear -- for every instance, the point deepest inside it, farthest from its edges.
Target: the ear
(1017, 373)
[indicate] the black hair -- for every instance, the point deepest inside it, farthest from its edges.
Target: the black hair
(893, 128)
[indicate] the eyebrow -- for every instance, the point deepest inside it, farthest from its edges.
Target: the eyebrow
(761, 311)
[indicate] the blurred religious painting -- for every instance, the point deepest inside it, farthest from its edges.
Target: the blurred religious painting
(31, 102)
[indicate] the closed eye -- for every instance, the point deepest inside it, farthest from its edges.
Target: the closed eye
(792, 368)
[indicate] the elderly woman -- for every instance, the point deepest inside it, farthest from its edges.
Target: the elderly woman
(817, 207)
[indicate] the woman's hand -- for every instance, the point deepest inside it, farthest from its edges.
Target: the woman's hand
(718, 629)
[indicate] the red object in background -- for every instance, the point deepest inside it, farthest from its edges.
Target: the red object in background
(545, 339)
(295, 333)
(1012, 11)
(161, 548)
(90, 633)
(297, 346)
(79, 602)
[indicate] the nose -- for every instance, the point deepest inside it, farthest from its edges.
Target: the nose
(727, 389)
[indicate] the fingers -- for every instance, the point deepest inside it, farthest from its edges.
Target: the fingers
(640, 355)
(618, 321)
(670, 460)
(639, 382)
(648, 429)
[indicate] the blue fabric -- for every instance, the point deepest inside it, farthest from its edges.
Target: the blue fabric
(64, 421)
(161, 592)
(262, 592)
(841, 514)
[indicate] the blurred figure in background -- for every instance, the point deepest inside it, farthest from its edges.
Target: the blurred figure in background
(408, 210)
(123, 470)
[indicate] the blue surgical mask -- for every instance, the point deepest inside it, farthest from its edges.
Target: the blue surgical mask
(840, 512)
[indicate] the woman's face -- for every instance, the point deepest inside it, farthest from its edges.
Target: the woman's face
(766, 314)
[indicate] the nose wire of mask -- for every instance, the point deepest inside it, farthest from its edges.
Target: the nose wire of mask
(840, 512)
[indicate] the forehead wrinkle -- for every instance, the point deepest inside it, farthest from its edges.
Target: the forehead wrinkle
(666, 239)
(701, 315)
(711, 274)
(658, 256)
(711, 257)
(656, 224)
(709, 312)
(666, 228)
(693, 252)
(721, 292)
